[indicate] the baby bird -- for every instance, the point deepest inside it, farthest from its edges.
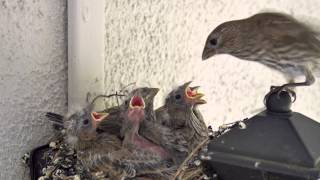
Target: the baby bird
(180, 113)
(174, 143)
(274, 39)
(135, 113)
(103, 151)
(93, 149)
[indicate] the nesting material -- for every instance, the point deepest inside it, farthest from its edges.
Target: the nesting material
(61, 161)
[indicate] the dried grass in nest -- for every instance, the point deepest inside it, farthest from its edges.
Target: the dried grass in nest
(189, 173)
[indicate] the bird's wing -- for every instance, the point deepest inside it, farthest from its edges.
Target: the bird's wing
(276, 25)
(161, 135)
(163, 116)
(112, 124)
(143, 162)
(109, 142)
(285, 33)
(173, 141)
(198, 124)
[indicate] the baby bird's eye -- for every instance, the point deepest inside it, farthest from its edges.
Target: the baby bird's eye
(178, 96)
(213, 42)
(86, 122)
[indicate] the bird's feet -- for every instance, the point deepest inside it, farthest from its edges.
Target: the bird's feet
(129, 171)
(278, 90)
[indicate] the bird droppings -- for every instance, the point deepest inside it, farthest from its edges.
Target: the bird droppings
(197, 162)
(242, 125)
(256, 164)
(205, 157)
(60, 162)
(53, 145)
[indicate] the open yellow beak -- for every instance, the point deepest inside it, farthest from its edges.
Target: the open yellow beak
(98, 117)
(192, 93)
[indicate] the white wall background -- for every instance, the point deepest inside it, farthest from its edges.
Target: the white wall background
(159, 43)
(153, 42)
(33, 77)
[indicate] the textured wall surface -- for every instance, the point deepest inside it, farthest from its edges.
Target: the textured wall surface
(159, 43)
(33, 77)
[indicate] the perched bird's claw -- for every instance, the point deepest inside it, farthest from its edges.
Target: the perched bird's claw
(290, 91)
(278, 90)
(129, 171)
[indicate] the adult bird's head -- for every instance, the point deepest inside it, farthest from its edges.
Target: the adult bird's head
(224, 39)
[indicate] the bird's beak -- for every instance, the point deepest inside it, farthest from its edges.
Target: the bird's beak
(97, 117)
(207, 53)
(192, 93)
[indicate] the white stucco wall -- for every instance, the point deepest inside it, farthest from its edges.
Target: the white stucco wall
(33, 77)
(160, 42)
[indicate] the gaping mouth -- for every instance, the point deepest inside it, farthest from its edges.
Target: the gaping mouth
(193, 94)
(97, 116)
(137, 102)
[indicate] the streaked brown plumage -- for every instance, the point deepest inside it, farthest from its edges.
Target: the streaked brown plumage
(151, 129)
(92, 148)
(180, 113)
(134, 115)
(113, 122)
(274, 39)
(103, 151)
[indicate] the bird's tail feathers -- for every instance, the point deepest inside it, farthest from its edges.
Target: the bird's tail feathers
(56, 119)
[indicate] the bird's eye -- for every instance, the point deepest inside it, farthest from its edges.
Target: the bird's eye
(86, 121)
(213, 42)
(126, 102)
(178, 96)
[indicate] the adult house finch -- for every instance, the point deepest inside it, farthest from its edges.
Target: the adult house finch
(180, 113)
(273, 39)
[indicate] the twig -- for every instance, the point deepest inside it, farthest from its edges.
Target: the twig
(194, 151)
(125, 87)
(193, 174)
(117, 99)
(106, 96)
(201, 177)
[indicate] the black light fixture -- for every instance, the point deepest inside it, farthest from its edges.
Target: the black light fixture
(277, 144)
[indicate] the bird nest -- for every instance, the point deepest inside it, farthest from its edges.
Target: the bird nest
(58, 161)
